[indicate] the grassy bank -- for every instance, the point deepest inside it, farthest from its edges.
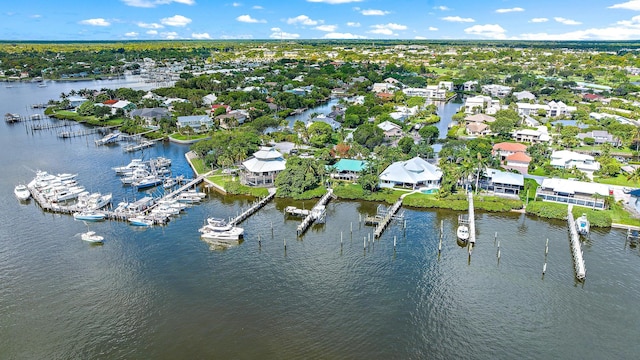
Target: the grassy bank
(355, 192)
(459, 202)
(597, 218)
(232, 186)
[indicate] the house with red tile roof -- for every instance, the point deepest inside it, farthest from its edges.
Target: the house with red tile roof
(518, 161)
(505, 149)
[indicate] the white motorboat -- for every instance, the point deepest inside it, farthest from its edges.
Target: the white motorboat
(463, 232)
(108, 139)
(134, 164)
(148, 182)
(22, 192)
(583, 225)
(89, 215)
(92, 237)
(93, 201)
(67, 194)
(218, 229)
(140, 221)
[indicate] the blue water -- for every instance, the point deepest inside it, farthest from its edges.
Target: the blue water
(163, 293)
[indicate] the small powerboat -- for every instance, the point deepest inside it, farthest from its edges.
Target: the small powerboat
(92, 237)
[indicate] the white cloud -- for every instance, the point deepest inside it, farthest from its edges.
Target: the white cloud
(232, 37)
(629, 5)
(303, 20)
(35, 16)
(566, 21)
(154, 3)
(249, 19)
(336, 35)
(150, 25)
(257, 7)
(504, 11)
(200, 36)
(328, 28)
(131, 34)
(457, 19)
(176, 20)
(277, 33)
(492, 31)
(373, 12)
(442, 8)
(353, 24)
(538, 20)
(333, 2)
(169, 35)
(235, 4)
(432, 28)
(420, 38)
(95, 22)
(152, 32)
(387, 29)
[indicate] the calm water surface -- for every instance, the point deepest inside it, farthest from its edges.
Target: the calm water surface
(163, 293)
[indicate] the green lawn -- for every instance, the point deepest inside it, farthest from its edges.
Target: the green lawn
(199, 166)
(621, 180)
(234, 187)
(179, 136)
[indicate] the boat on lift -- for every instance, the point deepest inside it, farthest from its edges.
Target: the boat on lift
(583, 225)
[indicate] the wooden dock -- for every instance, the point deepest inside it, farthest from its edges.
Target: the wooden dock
(85, 132)
(253, 208)
(384, 222)
(294, 211)
(576, 250)
(317, 213)
(472, 220)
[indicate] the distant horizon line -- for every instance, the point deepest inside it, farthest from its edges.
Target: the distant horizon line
(323, 40)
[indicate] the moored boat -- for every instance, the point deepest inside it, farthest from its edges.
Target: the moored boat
(140, 221)
(89, 216)
(218, 229)
(22, 192)
(463, 233)
(92, 237)
(583, 225)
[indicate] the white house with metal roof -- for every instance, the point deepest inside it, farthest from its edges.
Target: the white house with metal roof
(573, 192)
(263, 167)
(414, 173)
(566, 159)
(503, 182)
(198, 123)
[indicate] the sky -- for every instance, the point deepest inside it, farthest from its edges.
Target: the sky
(320, 19)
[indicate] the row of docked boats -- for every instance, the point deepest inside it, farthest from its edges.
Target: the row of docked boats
(144, 174)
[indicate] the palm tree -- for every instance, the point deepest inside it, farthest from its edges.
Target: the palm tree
(634, 176)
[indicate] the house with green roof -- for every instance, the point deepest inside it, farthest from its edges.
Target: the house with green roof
(347, 169)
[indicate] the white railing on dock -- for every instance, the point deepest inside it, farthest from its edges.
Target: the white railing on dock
(316, 212)
(387, 218)
(576, 250)
(252, 209)
(472, 220)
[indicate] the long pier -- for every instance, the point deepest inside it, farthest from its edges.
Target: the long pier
(384, 222)
(317, 212)
(472, 220)
(85, 132)
(576, 250)
(253, 209)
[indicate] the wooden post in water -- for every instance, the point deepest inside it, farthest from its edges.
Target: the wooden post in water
(546, 249)
(394, 243)
(495, 237)
(285, 244)
(259, 241)
(352, 227)
(365, 243)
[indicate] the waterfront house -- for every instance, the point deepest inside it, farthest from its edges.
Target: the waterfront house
(75, 101)
(481, 104)
(477, 129)
(502, 182)
(496, 90)
(383, 87)
(601, 137)
(325, 119)
(573, 192)
(262, 168)
(151, 115)
(232, 119)
(125, 105)
(414, 173)
(480, 118)
(565, 159)
(518, 161)
(347, 169)
(469, 86)
(199, 123)
(390, 129)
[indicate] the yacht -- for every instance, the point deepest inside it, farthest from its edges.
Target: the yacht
(134, 164)
(148, 182)
(89, 216)
(218, 229)
(92, 237)
(22, 192)
(108, 139)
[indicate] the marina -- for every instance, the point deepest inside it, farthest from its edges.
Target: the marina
(317, 213)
